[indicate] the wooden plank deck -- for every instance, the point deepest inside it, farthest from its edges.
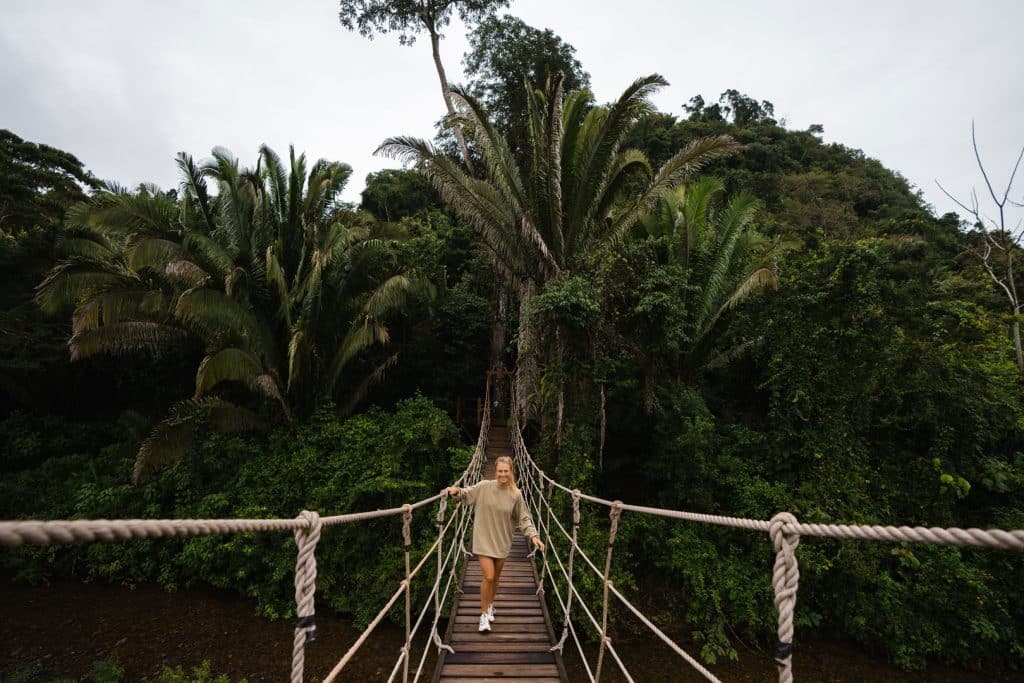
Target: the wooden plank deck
(516, 649)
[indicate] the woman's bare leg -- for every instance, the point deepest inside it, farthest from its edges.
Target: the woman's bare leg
(487, 583)
(498, 566)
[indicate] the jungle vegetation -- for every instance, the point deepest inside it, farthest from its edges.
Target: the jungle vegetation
(706, 310)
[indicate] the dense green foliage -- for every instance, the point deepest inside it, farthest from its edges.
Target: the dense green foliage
(505, 51)
(791, 330)
(376, 459)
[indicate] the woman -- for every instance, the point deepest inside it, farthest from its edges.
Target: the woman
(499, 508)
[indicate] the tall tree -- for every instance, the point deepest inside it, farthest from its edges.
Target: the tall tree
(715, 259)
(272, 276)
(38, 183)
(543, 218)
(408, 18)
(1001, 242)
(505, 51)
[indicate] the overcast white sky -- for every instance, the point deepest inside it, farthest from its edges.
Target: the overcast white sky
(126, 84)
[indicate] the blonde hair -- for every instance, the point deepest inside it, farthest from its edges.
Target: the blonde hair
(506, 460)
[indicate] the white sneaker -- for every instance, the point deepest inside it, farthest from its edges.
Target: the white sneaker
(490, 612)
(485, 623)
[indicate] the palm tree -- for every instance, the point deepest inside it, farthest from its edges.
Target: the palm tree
(281, 285)
(718, 260)
(573, 196)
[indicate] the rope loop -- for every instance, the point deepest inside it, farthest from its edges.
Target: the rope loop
(406, 524)
(442, 507)
(439, 643)
(785, 582)
(306, 538)
(615, 514)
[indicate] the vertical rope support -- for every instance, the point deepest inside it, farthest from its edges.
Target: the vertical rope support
(569, 579)
(785, 581)
(305, 590)
(442, 508)
(407, 538)
(547, 527)
(615, 513)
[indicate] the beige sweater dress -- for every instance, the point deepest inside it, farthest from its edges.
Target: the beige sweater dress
(498, 512)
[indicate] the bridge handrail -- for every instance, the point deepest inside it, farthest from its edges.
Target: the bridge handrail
(306, 527)
(783, 528)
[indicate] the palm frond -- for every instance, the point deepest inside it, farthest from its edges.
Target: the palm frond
(731, 355)
(228, 365)
(151, 252)
(278, 281)
(194, 184)
(359, 337)
(187, 273)
(117, 305)
(215, 259)
(684, 164)
(173, 436)
(374, 377)
(604, 140)
(125, 337)
(75, 280)
(211, 315)
(84, 244)
(499, 162)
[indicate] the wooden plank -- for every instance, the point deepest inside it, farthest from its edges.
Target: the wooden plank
(499, 670)
(498, 637)
(506, 679)
(517, 649)
(505, 619)
(464, 657)
(503, 646)
(496, 629)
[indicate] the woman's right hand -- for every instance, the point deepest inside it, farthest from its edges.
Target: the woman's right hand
(453, 490)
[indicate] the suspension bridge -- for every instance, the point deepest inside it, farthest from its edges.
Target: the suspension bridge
(523, 645)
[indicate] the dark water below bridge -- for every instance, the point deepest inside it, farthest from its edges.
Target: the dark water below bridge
(65, 627)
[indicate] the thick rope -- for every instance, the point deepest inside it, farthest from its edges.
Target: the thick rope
(442, 508)
(407, 539)
(572, 556)
(615, 513)
(305, 590)
(784, 530)
(785, 581)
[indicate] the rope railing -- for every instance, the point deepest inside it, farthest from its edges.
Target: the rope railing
(307, 528)
(783, 529)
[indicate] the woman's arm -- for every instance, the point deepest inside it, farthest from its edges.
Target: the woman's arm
(466, 496)
(525, 524)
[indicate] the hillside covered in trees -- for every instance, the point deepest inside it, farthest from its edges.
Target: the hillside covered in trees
(729, 316)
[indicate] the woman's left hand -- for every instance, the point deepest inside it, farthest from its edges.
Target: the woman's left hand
(539, 543)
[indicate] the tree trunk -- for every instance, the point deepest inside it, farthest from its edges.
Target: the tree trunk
(435, 40)
(604, 427)
(560, 341)
(1015, 302)
(499, 329)
(1017, 345)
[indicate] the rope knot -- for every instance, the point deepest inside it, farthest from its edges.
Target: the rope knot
(615, 514)
(442, 507)
(407, 524)
(312, 520)
(785, 581)
(306, 538)
(576, 507)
